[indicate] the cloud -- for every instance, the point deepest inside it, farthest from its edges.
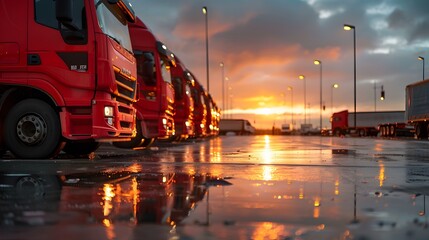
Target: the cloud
(397, 19)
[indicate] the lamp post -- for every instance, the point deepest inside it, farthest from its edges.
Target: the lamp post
(227, 97)
(382, 94)
(422, 59)
(335, 85)
(205, 12)
(318, 62)
(222, 66)
(302, 77)
(348, 27)
(289, 88)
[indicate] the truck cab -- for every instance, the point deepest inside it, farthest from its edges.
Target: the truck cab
(183, 102)
(155, 107)
(200, 109)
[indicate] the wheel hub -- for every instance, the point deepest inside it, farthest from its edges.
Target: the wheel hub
(31, 129)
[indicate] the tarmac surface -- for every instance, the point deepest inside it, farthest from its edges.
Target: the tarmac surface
(228, 187)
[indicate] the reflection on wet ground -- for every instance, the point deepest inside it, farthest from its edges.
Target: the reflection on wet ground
(259, 187)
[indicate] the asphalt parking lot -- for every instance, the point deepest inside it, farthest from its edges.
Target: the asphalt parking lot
(228, 187)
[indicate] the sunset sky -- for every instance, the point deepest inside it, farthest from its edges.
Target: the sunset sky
(266, 45)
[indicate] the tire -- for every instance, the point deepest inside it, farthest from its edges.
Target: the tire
(77, 148)
(147, 142)
(337, 132)
(136, 141)
(32, 129)
(421, 131)
(392, 131)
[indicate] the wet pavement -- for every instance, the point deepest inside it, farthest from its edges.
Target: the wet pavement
(229, 187)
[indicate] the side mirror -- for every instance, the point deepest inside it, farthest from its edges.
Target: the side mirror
(64, 13)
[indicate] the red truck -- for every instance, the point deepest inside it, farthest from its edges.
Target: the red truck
(212, 116)
(67, 75)
(200, 109)
(155, 107)
(387, 123)
(183, 102)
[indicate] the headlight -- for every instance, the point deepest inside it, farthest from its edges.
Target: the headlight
(108, 111)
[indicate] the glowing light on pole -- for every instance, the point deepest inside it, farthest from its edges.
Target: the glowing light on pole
(302, 77)
(348, 27)
(205, 12)
(318, 62)
(335, 85)
(422, 59)
(223, 85)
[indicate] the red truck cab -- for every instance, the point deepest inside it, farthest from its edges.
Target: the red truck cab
(339, 122)
(212, 116)
(200, 109)
(67, 76)
(183, 102)
(155, 107)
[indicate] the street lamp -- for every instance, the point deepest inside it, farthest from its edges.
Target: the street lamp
(302, 77)
(422, 59)
(348, 27)
(289, 88)
(227, 97)
(205, 12)
(318, 62)
(335, 85)
(223, 85)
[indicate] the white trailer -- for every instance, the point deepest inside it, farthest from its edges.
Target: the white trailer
(236, 126)
(417, 107)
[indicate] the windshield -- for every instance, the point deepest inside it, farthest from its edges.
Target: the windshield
(188, 90)
(113, 23)
(165, 71)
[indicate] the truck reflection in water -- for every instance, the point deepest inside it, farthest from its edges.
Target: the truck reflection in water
(27, 199)
(106, 197)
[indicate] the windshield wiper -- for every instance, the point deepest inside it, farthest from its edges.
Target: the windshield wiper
(115, 39)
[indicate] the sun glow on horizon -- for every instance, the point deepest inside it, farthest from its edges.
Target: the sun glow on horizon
(269, 110)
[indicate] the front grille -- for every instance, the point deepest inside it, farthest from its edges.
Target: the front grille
(126, 87)
(170, 109)
(125, 110)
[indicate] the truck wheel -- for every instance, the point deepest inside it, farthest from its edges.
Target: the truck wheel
(147, 142)
(337, 132)
(32, 130)
(136, 141)
(77, 148)
(392, 131)
(421, 131)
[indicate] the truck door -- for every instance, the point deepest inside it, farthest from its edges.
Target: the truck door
(62, 55)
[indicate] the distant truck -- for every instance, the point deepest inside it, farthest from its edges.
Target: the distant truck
(286, 129)
(417, 107)
(237, 126)
(387, 123)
